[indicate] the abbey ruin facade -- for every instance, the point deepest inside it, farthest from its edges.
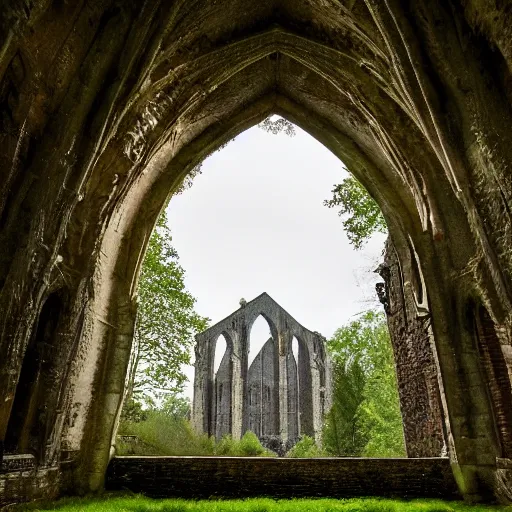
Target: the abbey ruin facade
(106, 105)
(278, 395)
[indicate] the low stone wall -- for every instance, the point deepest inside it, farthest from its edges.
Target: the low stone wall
(204, 477)
(21, 481)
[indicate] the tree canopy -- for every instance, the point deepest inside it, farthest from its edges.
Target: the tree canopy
(276, 125)
(362, 215)
(166, 322)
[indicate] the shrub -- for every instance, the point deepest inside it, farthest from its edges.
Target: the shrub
(250, 446)
(161, 434)
(306, 448)
(168, 434)
(227, 446)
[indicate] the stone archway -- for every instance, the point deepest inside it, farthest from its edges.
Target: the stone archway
(106, 117)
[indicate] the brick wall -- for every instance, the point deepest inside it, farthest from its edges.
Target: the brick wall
(204, 477)
(416, 371)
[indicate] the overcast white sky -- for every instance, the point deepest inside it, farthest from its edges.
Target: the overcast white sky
(254, 221)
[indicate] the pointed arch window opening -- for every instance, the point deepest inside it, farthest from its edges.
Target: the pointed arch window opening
(260, 357)
(259, 334)
(221, 347)
(221, 392)
(293, 390)
(27, 429)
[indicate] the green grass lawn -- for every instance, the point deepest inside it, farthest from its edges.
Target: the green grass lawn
(142, 504)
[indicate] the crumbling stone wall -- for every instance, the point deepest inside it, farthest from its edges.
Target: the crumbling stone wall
(409, 322)
(275, 396)
(21, 479)
(106, 105)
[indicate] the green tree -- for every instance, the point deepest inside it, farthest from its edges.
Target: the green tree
(379, 413)
(363, 217)
(342, 435)
(276, 125)
(166, 323)
(176, 406)
(365, 417)
(133, 412)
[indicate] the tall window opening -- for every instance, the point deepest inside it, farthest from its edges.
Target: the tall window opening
(27, 428)
(259, 335)
(293, 392)
(220, 351)
(261, 379)
(222, 388)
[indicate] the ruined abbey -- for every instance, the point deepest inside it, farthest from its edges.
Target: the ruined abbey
(277, 396)
(106, 105)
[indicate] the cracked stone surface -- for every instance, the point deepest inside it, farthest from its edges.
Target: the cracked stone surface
(106, 105)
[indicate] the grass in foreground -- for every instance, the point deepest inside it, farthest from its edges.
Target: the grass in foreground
(143, 504)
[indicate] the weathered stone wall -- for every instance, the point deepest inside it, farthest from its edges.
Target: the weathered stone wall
(220, 414)
(105, 106)
(262, 389)
(238, 477)
(491, 346)
(293, 398)
(21, 480)
(416, 369)
(274, 393)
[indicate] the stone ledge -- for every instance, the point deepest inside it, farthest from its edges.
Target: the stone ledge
(27, 485)
(22, 462)
(237, 477)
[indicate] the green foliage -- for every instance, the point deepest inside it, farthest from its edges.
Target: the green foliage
(342, 435)
(166, 322)
(364, 215)
(362, 340)
(250, 446)
(136, 503)
(225, 446)
(133, 411)
(163, 434)
(176, 406)
(167, 431)
(305, 448)
(276, 125)
(365, 417)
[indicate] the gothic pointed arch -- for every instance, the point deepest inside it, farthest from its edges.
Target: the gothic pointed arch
(106, 117)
